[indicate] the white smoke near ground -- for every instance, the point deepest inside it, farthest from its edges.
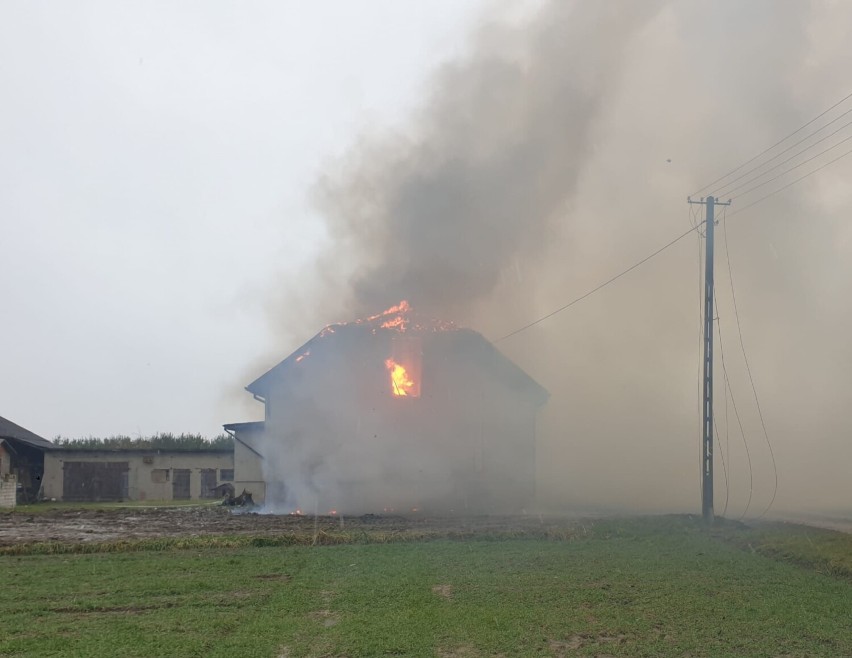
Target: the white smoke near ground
(559, 151)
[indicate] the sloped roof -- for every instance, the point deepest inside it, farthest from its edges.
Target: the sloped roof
(9, 430)
(254, 425)
(483, 352)
(247, 433)
(473, 345)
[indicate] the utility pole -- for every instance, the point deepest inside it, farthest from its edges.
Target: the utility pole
(707, 397)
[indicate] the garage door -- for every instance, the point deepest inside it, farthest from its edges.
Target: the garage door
(94, 481)
(208, 483)
(180, 484)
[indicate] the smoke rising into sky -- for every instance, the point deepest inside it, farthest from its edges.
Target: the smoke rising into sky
(559, 150)
(438, 213)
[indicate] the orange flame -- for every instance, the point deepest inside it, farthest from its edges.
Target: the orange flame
(398, 322)
(401, 384)
(303, 355)
(402, 307)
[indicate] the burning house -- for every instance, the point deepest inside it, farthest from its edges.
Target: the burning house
(394, 412)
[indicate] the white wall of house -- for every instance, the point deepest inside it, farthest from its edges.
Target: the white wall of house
(150, 475)
(248, 472)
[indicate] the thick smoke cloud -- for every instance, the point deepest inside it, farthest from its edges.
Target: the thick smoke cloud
(439, 213)
(559, 151)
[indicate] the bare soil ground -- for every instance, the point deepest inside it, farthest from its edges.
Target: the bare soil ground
(131, 523)
(109, 524)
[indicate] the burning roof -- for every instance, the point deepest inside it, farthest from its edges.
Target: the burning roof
(402, 337)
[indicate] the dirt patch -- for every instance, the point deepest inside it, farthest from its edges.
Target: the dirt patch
(281, 577)
(560, 648)
(120, 609)
(326, 617)
(458, 652)
(444, 591)
(565, 648)
(103, 525)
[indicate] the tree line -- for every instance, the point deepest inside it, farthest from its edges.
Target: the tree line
(159, 441)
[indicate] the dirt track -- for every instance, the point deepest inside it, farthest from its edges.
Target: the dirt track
(110, 524)
(134, 523)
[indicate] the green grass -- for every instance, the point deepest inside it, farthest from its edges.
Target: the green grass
(824, 551)
(652, 587)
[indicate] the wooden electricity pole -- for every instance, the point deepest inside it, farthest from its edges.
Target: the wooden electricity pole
(707, 396)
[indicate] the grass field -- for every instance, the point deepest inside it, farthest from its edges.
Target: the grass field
(645, 587)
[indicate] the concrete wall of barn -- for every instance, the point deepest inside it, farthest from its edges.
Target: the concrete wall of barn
(150, 474)
(248, 471)
(248, 465)
(5, 460)
(8, 490)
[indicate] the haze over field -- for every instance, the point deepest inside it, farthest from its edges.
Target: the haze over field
(192, 196)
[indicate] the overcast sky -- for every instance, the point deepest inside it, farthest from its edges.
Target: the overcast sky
(155, 163)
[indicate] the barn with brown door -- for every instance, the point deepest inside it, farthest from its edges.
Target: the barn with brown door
(394, 412)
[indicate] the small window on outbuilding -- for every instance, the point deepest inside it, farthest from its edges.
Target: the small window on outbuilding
(160, 475)
(226, 474)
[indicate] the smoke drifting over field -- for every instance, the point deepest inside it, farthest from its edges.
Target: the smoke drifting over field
(558, 151)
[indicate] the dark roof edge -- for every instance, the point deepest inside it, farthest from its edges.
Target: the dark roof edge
(253, 424)
(540, 394)
(10, 430)
(236, 427)
(258, 386)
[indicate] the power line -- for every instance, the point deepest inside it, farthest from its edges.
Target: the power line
(792, 157)
(726, 462)
(727, 425)
(598, 287)
(715, 424)
(739, 421)
(766, 150)
(676, 240)
(748, 368)
(784, 187)
(790, 148)
(724, 468)
(787, 171)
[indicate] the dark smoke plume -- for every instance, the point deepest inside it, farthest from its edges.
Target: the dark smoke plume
(438, 215)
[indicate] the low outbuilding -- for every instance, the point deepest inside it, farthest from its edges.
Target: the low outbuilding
(119, 475)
